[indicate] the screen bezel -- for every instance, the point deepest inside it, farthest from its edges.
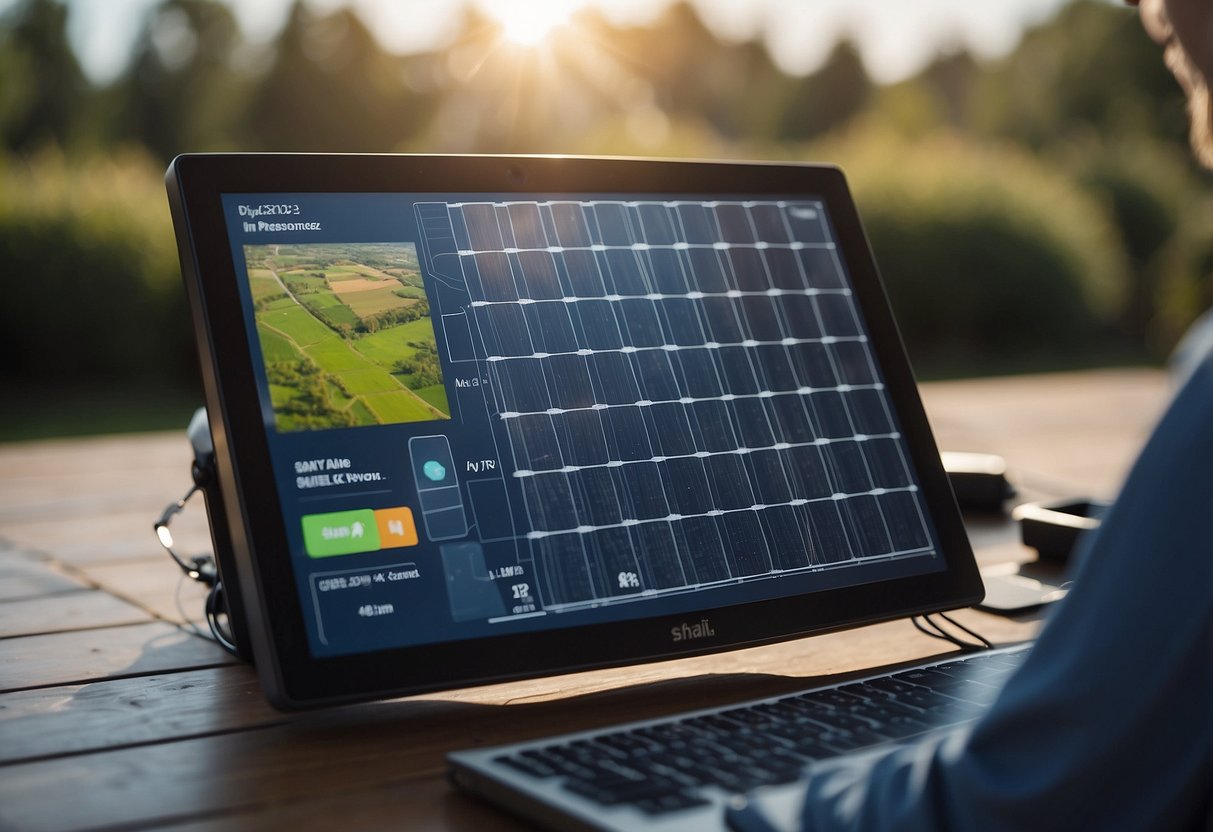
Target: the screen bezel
(291, 676)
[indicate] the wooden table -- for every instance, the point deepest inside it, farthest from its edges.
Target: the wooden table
(114, 714)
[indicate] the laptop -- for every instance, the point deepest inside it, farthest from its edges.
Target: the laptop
(681, 772)
(479, 418)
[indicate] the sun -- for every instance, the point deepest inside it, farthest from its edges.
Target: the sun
(529, 22)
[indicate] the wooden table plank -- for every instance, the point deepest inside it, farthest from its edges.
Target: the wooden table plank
(79, 478)
(134, 650)
(115, 536)
(24, 575)
(66, 719)
(158, 587)
(1065, 433)
(94, 500)
(326, 754)
(84, 610)
(425, 804)
(73, 719)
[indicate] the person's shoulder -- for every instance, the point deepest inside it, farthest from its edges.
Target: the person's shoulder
(1183, 433)
(1194, 349)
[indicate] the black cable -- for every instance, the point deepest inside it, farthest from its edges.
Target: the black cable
(185, 616)
(982, 640)
(200, 568)
(216, 606)
(936, 630)
(920, 623)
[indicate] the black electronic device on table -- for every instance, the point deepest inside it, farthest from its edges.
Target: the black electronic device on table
(482, 418)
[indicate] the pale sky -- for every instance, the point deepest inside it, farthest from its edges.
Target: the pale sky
(896, 38)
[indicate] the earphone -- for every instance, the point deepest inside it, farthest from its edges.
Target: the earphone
(222, 608)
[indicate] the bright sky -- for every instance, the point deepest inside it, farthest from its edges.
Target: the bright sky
(897, 38)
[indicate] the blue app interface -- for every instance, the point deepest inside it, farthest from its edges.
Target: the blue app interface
(496, 413)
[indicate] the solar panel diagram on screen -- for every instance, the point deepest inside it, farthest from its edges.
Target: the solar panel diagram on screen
(681, 394)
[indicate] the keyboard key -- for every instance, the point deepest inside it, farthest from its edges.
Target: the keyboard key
(954, 712)
(728, 779)
(972, 691)
(546, 757)
(611, 794)
(922, 698)
(1008, 661)
(807, 708)
(527, 765)
(771, 776)
(686, 771)
(900, 727)
(811, 748)
(605, 750)
(669, 803)
(778, 712)
(863, 690)
(925, 678)
(832, 698)
(890, 686)
(717, 724)
(625, 743)
(851, 724)
(840, 743)
(881, 709)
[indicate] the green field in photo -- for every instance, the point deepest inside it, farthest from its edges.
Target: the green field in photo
(435, 395)
(263, 284)
(362, 414)
(391, 345)
(296, 323)
(329, 308)
(399, 406)
(372, 379)
(373, 301)
(337, 357)
(302, 283)
(338, 398)
(350, 341)
(274, 347)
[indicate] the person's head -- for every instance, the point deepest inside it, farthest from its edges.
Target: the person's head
(1185, 29)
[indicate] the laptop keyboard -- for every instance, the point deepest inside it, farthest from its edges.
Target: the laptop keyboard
(661, 766)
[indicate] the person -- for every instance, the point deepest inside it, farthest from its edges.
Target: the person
(1108, 724)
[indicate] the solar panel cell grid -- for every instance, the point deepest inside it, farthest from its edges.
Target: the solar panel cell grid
(686, 392)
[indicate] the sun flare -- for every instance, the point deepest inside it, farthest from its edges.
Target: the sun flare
(529, 22)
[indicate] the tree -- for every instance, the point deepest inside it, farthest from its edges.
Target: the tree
(828, 98)
(182, 91)
(1090, 70)
(43, 88)
(331, 87)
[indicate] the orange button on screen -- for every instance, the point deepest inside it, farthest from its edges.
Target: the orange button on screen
(396, 527)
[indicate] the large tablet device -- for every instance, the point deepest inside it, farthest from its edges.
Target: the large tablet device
(478, 418)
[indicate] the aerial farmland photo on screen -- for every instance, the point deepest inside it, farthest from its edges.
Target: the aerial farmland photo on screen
(345, 334)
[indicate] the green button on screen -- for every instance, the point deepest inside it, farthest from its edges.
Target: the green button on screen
(340, 533)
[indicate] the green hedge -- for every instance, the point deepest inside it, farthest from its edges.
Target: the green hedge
(989, 258)
(1164, 214)
(92, 293)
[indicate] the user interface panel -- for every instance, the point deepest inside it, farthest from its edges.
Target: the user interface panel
(499, 413)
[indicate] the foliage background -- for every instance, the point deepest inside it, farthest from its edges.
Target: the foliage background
(1035, 212)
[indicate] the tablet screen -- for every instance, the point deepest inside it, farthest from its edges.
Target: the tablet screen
(499, 413)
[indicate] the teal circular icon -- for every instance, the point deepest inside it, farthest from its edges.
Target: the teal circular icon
(434, 470)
